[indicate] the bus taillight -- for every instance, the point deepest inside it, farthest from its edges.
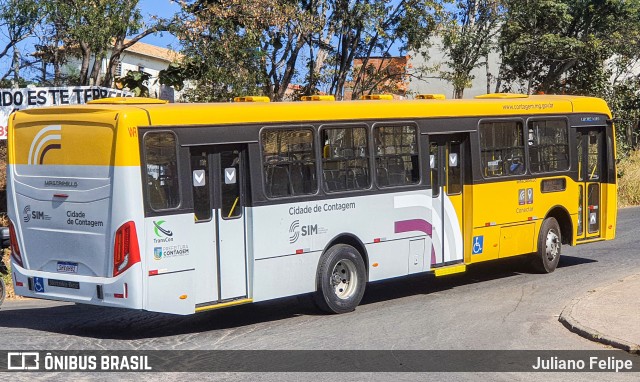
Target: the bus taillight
(125, 250)
(15, 249)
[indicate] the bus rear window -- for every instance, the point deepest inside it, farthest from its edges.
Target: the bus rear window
(79, 149)
(161, 166)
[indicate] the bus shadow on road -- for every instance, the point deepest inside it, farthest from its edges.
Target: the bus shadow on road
(421, 284)
(122, 324)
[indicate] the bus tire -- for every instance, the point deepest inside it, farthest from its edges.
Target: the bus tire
(549, 246)
(341, 279)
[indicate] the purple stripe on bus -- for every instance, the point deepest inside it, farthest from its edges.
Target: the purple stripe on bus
(413, 225)
(417, 225)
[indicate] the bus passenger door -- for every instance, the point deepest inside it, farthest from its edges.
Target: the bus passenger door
(229, 184)
(446, 161)
(219, 200)
(590, 150)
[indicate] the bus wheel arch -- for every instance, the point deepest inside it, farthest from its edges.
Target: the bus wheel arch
(564, 221)
(341, 276)
(356, 243)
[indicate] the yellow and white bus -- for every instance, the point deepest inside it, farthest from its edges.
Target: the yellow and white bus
(180, 208)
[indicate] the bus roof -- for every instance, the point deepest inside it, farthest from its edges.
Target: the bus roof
(288, 112)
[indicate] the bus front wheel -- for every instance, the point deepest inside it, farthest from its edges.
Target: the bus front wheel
(549, 246)
(341, 279)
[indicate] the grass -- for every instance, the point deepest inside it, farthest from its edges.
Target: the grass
(629, 180)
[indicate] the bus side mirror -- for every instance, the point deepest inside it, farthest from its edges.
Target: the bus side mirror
(5, 241)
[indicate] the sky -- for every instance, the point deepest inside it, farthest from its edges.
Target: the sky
(161, 8)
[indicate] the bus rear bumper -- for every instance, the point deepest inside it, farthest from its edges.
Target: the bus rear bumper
(123, 291)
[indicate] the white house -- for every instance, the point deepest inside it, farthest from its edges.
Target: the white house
(150, 59)
(141, 57)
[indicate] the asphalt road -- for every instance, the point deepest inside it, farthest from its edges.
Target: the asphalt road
(498, 305)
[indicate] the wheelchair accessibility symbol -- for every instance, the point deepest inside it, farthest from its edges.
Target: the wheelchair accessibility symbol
(38, 284)
(478, 244)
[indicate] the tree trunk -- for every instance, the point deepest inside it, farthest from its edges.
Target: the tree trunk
(84, 66)
(458, 92)
(96, 69)
(56, 66)
(486, 65)
(114, 60)
(290, 69)
(16, 67)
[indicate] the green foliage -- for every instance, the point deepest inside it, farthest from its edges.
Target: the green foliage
(91, 29)
(561, 46)
(467, 37)
(18, 20)
(136, 82)
(235, 47)
(624, 101)
(221, 56)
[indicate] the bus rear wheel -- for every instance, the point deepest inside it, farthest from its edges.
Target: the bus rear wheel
(549, 246)
(341, 279)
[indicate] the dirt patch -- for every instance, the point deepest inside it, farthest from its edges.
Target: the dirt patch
(7, 278)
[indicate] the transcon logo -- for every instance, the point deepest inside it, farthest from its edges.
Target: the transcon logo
(158, 229)
(49, 138)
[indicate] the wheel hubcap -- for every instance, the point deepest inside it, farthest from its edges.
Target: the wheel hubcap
(552, 245)
(344, 279)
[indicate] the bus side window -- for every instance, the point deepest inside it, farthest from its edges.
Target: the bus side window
(548, 145)
(163, 188)
(502, 148)
(289, 162)
(345, 162)
(396, 154)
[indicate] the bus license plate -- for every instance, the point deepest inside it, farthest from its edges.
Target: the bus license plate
(64, 284)
(67, 267)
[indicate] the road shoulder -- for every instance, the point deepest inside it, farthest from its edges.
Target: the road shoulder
(608, 315)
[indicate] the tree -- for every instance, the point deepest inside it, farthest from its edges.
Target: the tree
(367, 28)
(18, 20)
(221, 55)
(132, 25)
(266, 35)
(96, 28)
(467, 37)
(269, 38)
(562, 46)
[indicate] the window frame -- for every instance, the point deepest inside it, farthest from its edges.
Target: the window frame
(374, 153)
(369, 137)
(314, 151)
(240, 181)
(208, 176)
(178, 173)
(525, 148)
(547, 118)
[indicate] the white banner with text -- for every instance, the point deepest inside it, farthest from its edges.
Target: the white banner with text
(27, 98)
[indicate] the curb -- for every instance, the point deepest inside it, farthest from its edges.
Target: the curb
(569, 322)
